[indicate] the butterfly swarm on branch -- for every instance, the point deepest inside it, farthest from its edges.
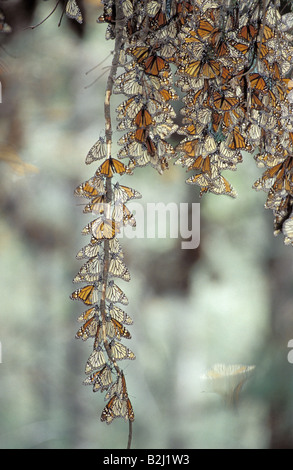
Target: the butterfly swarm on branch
(232, 62)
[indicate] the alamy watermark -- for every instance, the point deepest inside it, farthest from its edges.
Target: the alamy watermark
(156, 220)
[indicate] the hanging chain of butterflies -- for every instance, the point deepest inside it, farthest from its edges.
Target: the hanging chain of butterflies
(104, 321)
(232, 62)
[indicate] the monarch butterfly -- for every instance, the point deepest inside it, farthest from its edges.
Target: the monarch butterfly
(231, 156)
(89, 329)
(129, 411)
(221, 47)
(95, 361)
(267, 159)
(224, 102)
(97, 205)
(201, 163)
(128, 83)
(218, 185)
(205, 29)
(122, 214)
(263, 50)
(236, 140)
(134, 149)
(100, 379)
(274, 68)
(287, 230)
(119, 351)
(130, 107)
(111, 166)
(90, 277)
(118, 388)
(112, 329)
(127, 8)
(89, 313)
(124, 194)
(168, 51)
(184, 8)
(125, 124)
(256, 99)
(141, 161)
(184, 161)
(150, 146)
(216, 120)
(164, 149)
(208, 69)
(91, 270)
(115, 294)
(114, 246)
(109, 14)
(72, 11)
(101, 228)
(118, 314)
(257, 82)
(112, 410)
(243, 48)
(168, 94)
(202, 92)
(166, 130)
(255, 132)
(189, 147)
(247, 32)
(152, 8)
(143, 118)
(89, 251)
(193, 68)
(118, 268)
(141, 135)
(97, 151)
(154, 64)
(141, 53)
(159, 20)
(119, 330)
(88, 294)
(267, 32)
(90, 188)
(276, 171)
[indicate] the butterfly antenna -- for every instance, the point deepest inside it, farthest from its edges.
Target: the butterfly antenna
(98, 65)
(98, 78)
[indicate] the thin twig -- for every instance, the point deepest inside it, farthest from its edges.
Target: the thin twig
(50, 14)
(129, 434)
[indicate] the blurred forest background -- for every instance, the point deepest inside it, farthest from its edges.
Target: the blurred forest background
(229, 301)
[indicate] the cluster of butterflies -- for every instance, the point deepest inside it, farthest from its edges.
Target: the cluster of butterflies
(103, 320)
(232, 63)
(146, 116)
(234, 68)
